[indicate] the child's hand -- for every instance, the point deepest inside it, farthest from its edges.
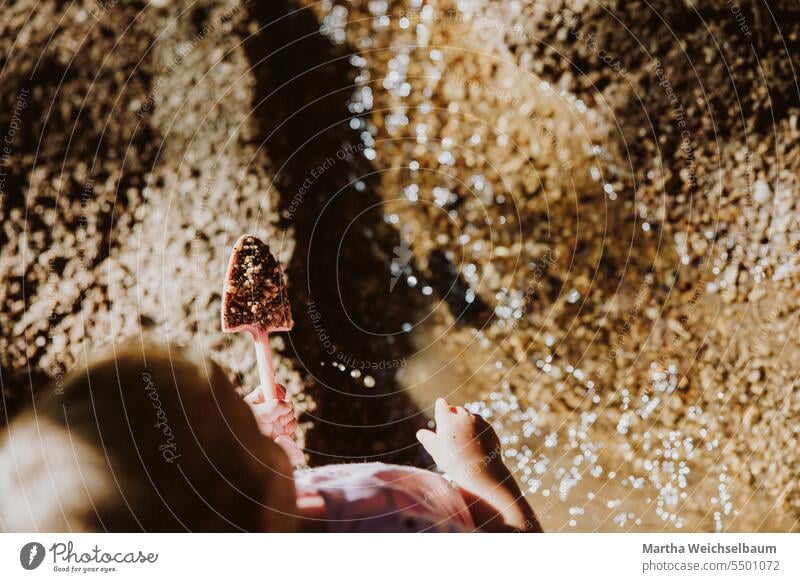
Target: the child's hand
(464, 446)
(276, 420)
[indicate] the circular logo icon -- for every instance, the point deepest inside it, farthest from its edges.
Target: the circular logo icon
(31, 555)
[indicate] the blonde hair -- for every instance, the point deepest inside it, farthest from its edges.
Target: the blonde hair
(149, 437)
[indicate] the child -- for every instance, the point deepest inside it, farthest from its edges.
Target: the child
(154, 438)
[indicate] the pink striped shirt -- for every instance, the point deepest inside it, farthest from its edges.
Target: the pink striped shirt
(375, 497)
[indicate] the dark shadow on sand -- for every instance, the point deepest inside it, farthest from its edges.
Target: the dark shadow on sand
(340, 274)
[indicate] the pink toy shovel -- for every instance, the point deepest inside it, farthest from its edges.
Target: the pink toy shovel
(255, 300)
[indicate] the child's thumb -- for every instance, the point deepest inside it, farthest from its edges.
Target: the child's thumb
(428, 440)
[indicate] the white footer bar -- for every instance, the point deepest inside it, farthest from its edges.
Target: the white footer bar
(384, 557)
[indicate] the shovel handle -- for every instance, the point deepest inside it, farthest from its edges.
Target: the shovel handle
(266, 372)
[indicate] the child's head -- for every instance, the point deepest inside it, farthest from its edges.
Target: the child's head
(149, 437)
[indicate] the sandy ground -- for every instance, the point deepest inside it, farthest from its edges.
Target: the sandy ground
(580, 219)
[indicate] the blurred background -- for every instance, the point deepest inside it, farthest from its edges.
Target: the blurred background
(578, 218)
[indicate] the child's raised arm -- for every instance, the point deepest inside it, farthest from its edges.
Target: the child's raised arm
(466, 447)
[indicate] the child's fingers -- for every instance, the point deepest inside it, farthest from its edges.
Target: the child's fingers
(290, 428)
(282, 430)
(272, 410)
(425, 436)
(257, 396)
(286, 419)
(428, 439)
(286, 416)
(442, 410)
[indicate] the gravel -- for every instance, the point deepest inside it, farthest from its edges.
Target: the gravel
(579, 219)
